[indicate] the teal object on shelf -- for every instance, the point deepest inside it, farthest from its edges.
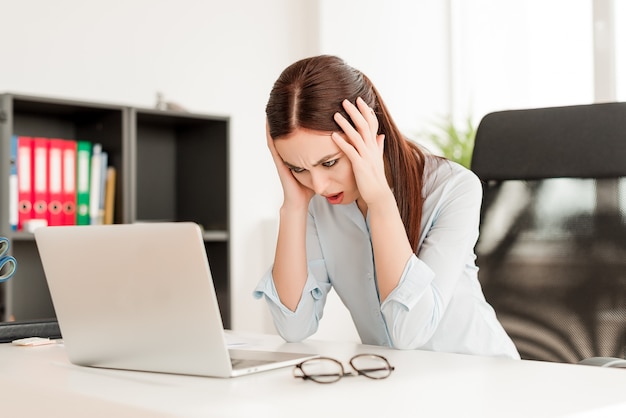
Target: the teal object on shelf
(8, 264)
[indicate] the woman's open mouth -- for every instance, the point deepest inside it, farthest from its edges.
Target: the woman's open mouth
(335, 199)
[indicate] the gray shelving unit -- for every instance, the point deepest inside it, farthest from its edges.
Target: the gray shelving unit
(171, 166)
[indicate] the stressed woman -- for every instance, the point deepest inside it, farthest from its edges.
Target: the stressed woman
(389, 226)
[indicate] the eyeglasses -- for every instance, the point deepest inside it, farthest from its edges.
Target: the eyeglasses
(329, 370)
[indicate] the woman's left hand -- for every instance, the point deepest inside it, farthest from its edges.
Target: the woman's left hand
(364, 147)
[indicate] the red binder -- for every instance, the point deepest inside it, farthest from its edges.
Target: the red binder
(55, 182)
(24, 180)
(69, 182)
(40, 178)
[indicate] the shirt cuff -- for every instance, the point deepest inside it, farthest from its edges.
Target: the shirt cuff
(266, 288)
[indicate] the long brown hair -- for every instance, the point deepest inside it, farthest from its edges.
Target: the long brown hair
(309, 92)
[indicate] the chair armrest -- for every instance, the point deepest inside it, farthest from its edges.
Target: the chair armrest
(604, 362)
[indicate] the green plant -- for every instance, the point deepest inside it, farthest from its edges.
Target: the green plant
(454, 143)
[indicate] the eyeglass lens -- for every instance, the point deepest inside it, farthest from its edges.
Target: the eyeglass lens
(372, 366)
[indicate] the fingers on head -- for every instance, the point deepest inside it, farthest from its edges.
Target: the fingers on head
(363, 114)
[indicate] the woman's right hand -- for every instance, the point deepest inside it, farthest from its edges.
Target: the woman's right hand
(295, 194)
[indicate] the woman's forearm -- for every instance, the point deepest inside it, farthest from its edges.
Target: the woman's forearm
(290, 265)
(390, 243)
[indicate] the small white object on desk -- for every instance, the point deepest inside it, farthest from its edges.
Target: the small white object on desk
(33, 341)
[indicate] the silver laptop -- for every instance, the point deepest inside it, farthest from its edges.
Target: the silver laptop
(141, 297)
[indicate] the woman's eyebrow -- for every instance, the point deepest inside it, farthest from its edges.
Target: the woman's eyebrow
(327, 158)
(291, 166)
(320, 161)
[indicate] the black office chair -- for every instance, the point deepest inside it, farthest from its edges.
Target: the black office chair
(552, 249)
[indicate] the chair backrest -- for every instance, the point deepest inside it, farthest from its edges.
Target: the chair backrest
(552, 248)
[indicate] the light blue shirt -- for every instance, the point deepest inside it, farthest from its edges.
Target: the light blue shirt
(438, 304)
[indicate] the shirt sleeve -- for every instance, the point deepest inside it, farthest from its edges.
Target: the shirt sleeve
(297, 325)
(414, 309)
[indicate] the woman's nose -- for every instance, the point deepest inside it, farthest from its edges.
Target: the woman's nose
(319, 182)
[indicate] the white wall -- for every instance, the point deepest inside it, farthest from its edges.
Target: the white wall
(466, 57)
(520, 54)
(620, 48)
(403, 48)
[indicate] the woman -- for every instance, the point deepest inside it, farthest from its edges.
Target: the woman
(391, 227)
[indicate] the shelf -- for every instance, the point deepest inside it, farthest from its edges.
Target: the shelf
(171, 166)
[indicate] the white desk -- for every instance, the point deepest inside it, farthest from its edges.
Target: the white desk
(39, 381)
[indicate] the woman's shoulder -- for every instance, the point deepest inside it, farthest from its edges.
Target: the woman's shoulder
(440, 171)
(446, 181)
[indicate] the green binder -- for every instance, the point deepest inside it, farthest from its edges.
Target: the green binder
(83, 163)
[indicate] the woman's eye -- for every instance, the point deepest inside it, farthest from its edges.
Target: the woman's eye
(330, 163)
(297, 169)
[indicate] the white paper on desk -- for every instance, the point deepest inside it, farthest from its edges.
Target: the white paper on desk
(233, 340)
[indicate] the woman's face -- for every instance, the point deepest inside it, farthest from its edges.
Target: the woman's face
(317, 163)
